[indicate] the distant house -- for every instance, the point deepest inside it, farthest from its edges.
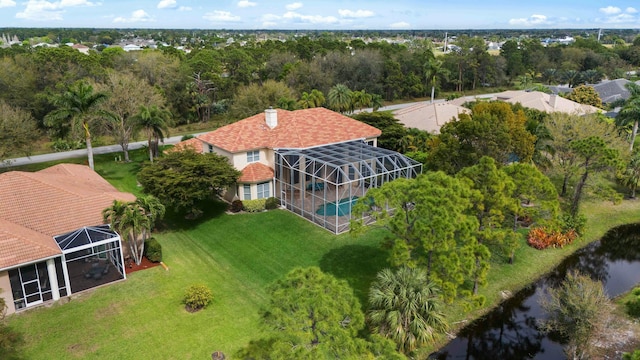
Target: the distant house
(316, 161)
(540, 101)
(612, 90)
(608, 90)
(429, 117)
(131, 47)
(82, 48)
(53, 241)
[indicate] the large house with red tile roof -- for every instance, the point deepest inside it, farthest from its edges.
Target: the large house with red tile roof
(53, 240)
(316, 161)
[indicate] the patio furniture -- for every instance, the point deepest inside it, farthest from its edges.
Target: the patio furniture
(315, 186)
(96, 272)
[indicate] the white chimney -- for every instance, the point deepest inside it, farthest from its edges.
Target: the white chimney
(552, 100)
(271, 117)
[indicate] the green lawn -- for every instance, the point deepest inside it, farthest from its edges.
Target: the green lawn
(237, 256)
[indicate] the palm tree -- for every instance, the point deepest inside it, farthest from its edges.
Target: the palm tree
(340, 98)
(630, 113)
(376, 102)
(155, 122)
(433, 72)
(360, 99)
(550, 76)
(405, 307)
(79, 106)
(311, 100)
(631, 175)
(113, 215)
(570, 77)
(317, 98)
(137, 224)
(305, 101)
(134, 221)
(153, 209)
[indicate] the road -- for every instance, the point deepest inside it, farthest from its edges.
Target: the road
(81, 153)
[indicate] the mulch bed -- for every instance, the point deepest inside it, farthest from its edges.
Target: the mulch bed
(145, 264)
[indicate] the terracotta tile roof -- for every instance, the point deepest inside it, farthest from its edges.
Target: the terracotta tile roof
(295, 129)
(51, 202)
(256, 172)
(19, 245)
(194, 143)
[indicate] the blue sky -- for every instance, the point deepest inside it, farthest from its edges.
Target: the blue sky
(325, 14)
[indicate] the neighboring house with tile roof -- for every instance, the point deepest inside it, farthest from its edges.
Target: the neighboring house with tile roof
(249, 144)
(256, 146)
(53, 241)
(540, 101)
(429, 117)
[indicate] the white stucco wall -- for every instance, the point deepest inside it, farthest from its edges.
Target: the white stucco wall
(5, 292)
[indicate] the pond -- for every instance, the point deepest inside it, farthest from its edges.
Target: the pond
(510, 331)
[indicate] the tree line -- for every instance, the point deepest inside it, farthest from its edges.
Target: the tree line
(238, 80)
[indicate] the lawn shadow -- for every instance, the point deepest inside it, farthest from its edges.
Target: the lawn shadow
(179, 221)
(357, 264)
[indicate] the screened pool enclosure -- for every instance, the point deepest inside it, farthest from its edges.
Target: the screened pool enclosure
(93, 256)
(322, 183)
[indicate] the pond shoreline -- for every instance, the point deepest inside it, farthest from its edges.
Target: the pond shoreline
(608, 259)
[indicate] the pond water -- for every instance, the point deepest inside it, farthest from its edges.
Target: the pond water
(510, 331)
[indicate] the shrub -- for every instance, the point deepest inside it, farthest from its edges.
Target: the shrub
(256, 205)
(576, 223)
(153, 250)
(197, 297)
(631, 356)
(186, 137)
(633, 305)
(236, 206)
(542, 238)
(66, 145)
(272, 203)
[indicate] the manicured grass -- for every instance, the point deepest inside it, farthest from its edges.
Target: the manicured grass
(120, 174)
(237, 256)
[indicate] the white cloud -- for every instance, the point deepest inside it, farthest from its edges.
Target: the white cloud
(136, 16)
(610, 10)
(355, 14)
(223, 16)
(630, 10)
(270, 17)
(69, 3)
(43, 10)
(167, 4)
(400, 25)
(185, 8)
(530, 21)
(268, 24)
(293, 6)
(7, 3)
(246, 3)
(313, 19)
(619, 19)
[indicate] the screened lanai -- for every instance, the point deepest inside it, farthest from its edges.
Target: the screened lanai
(92, 255)
(322, 183)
